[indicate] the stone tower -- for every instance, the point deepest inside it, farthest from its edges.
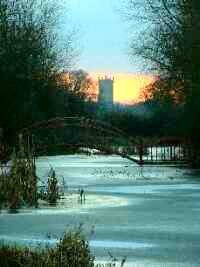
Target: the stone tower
(106, 91)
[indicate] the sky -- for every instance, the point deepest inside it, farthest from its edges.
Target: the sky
(127, 86)
(103, 35)
(103, 40)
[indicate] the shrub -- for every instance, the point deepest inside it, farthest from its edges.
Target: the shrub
(71, 251)
(52, 192)
(19, 186)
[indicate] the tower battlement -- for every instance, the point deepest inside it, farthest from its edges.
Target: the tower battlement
(103, 78)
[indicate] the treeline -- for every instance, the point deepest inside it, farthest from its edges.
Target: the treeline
(148, 119)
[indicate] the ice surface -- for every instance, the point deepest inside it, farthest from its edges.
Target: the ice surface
(150, 214)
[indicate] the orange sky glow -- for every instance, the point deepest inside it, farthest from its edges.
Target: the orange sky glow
(127, 87)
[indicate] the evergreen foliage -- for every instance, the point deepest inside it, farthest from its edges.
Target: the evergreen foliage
(19, 187)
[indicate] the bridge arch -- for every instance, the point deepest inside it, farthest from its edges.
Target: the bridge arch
(94, 134)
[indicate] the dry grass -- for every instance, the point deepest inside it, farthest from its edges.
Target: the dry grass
(71, 251)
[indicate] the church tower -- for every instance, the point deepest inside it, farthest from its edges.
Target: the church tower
(106, 91)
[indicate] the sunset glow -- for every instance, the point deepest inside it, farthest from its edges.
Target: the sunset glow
(127, 87)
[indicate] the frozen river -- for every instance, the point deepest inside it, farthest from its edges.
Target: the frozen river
(150, 214)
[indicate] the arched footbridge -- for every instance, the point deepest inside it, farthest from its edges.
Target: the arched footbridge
(83, 132)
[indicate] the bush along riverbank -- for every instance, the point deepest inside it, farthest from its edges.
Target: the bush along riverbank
(19, 183)
(71, 251)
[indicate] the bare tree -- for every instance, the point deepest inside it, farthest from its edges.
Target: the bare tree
(169, 42)
(171, 46)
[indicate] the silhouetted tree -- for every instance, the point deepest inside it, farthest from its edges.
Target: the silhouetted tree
(29, 59)
(171, 46)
